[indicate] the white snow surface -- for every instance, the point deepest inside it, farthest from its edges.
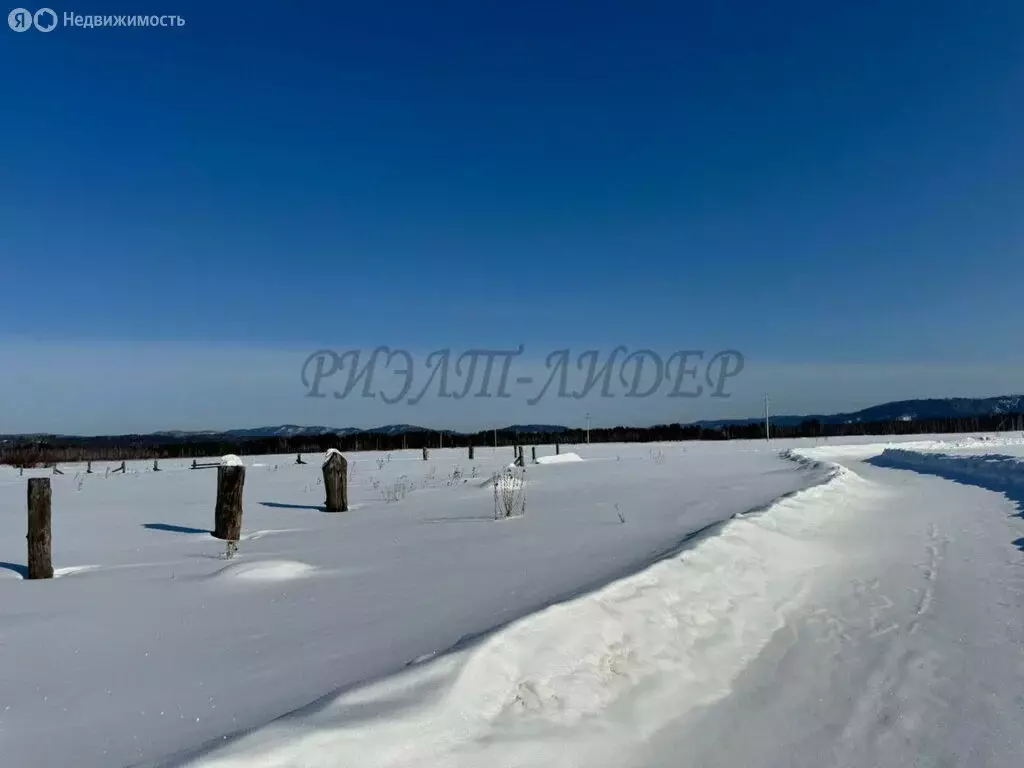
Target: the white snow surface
(230, 460)
(798, 603)
(559, 458)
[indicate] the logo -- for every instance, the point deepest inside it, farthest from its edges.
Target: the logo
(45, 20)
(22, 20)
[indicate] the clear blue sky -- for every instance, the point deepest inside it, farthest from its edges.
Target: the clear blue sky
(808, 182)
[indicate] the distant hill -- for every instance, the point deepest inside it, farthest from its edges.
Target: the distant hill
(900, 410)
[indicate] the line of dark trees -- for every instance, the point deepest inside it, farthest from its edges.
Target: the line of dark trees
(43, 451)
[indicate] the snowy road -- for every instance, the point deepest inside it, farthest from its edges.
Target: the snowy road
(909, 653)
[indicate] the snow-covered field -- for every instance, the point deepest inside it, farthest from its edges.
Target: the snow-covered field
(861, 614)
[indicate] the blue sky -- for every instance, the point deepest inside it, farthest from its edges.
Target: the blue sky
(818, 185)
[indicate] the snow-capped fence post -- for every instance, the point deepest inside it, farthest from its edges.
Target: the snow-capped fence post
(40, 564)
(227, 516)
(426, 453)
(336, 481)
(471, 452)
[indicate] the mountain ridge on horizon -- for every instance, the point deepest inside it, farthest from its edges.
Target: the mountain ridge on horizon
(897, 410)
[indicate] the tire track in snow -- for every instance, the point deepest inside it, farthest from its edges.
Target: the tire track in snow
(935, 549)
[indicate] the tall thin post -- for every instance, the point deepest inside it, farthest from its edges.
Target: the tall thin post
(336, 482)
(227, 516)
(588, 428)
(40, 562)
(767, 424)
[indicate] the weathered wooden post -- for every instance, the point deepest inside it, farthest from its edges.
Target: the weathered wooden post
(336, 481)
(88, 467)
(533, 453)
(426, 453)
(156, 468)
(227, 516)
(298, 459)
(556, 449)
(122, 468)
(40, 564)
(471, 452)
(193, 463)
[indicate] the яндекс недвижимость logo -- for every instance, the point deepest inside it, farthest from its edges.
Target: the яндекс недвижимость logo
(46, 20)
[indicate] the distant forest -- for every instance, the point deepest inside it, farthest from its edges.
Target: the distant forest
(43, 451)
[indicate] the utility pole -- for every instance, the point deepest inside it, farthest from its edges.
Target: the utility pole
(767, 424)
(588, 427)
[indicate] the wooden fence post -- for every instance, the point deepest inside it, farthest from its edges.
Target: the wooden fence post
(533, 452)
(155, 467)
(193, 463)
(470, 452)
(40, 564)
(336, 482)
(298, 459)
(556, 449)
(88, 468)
(227, 516)
(426, 453)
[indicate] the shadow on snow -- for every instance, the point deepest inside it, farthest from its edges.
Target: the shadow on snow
(18, 568)
(280, 505)
(174, 528)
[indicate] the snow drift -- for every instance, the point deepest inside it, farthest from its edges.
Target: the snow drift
(559, 458)
(987, 469)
